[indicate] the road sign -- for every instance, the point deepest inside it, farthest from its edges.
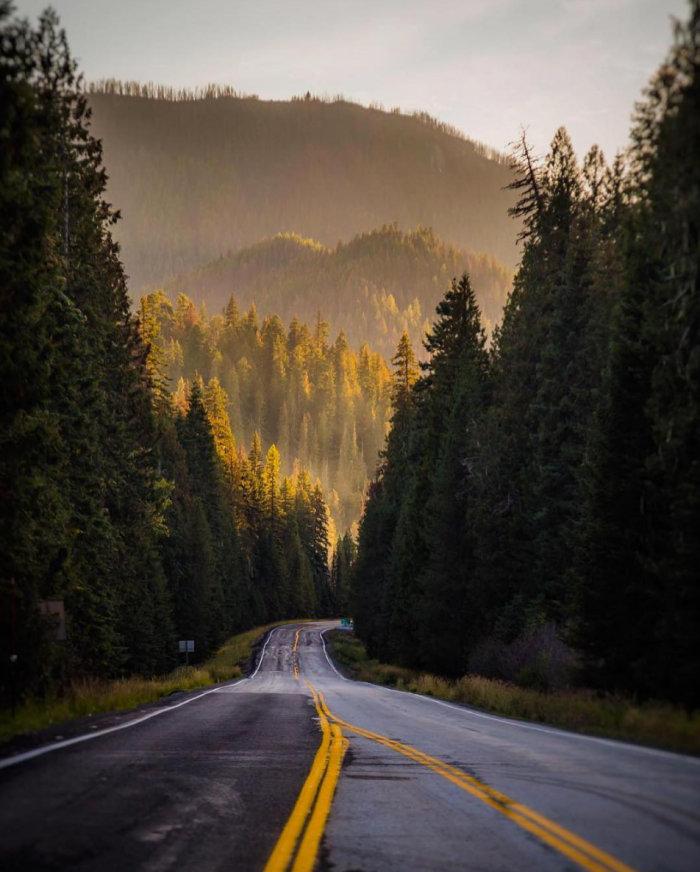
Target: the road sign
(54, 614)
(186, 647)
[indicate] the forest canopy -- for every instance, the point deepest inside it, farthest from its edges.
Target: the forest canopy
(322, 404)
(374, 287)
(132, 508)
(536, 514)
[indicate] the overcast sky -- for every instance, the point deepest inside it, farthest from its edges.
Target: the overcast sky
(486, 66)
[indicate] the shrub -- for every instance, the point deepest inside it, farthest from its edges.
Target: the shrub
(537, 659)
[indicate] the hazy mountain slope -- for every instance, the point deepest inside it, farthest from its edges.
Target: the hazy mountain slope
(195, 179)
(372, 287)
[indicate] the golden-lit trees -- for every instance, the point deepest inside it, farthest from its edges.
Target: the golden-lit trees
(322, 404)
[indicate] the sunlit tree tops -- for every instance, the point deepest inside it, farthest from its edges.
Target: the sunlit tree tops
(375, 287)
(321, 404)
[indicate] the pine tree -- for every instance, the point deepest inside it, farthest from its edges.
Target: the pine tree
(270, 489)
(637, 549)
(232, 313)
(459, 365)
(216, 404)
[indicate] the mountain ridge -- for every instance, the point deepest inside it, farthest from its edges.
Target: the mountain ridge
(374, 286)
(197, 178)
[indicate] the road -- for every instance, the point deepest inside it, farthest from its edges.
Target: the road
(298, 768)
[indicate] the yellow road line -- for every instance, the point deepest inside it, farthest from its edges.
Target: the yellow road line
(294, 655)
(566, 842)
(282, 853)
(306, 856)
(313, 801)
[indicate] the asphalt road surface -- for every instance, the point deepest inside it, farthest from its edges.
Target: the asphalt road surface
(298, 768)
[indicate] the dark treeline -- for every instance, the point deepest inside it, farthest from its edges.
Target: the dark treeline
(377, 285)
(213, 91)
(125, 506)
(196, 179)
(322, 404)
(155, 91)
(537, 510)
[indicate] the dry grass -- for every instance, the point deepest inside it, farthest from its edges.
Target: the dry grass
(90, 696)
(658, 724)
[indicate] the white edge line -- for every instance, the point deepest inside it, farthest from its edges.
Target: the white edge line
(46, 749)
(330, 662)
(262, 655)
(455, 707)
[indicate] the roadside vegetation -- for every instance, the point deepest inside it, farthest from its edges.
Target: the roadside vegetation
(659, 724)
(130, 510)
(535, 514)
(93, 696)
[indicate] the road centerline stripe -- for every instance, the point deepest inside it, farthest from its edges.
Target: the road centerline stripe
(295, 661)
(313, 804)
(572, 846)
(306, 856)
(557, 732)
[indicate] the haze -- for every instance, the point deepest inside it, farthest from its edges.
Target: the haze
(486, 66)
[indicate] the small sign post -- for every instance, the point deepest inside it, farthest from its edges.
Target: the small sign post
(54, 614)
(186, 645)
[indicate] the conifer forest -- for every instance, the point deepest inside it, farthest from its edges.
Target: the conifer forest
(448, 392)
(537, 506)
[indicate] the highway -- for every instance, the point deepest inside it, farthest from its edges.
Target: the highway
(298, 768)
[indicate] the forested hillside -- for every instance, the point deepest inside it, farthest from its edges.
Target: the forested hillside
(322, 404)
(200, 176)
(178, 470)
(374, 287)
(537, 512)
(131, 509)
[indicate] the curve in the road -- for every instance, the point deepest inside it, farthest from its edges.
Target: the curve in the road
(455, 707)
(557, 837)
(423, 788)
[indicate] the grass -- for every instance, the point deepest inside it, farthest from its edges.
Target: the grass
(656, 724)
(92, 696)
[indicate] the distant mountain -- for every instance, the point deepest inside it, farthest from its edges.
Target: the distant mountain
(198, 178)
(372, 287)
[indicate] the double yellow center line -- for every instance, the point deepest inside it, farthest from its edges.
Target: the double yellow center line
(567, 843)
(313, 805)
(316, 802)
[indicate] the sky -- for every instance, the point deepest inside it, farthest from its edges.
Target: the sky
(485, 66)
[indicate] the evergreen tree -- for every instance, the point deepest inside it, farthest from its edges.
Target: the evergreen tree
(216, 404)
(129, 505)
(637, 550)
(460, 366)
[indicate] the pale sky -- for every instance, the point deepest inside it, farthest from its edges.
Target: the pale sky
(485, 66)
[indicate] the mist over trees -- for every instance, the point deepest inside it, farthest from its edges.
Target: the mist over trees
(198, 178)
(536, 514)
(322, 404)
(374, 287)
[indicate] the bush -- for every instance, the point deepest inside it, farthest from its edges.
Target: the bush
(536, 659)
(90, 696)
(537, 656)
